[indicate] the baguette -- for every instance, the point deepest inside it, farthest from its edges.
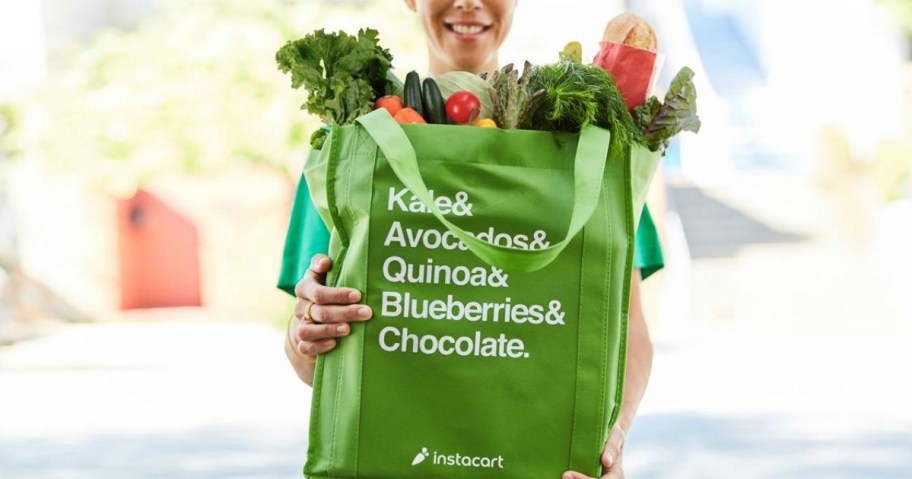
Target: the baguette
(631, 30)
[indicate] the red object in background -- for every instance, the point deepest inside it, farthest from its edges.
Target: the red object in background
(632, 69)
(159, 255)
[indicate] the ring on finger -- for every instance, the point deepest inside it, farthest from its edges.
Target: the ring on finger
(307, 317)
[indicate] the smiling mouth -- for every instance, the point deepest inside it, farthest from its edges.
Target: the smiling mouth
(467, 29)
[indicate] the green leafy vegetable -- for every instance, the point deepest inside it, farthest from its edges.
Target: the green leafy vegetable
(577, 95)
(573, 51)
(659, 122)
(342, 73)
(318, 138)
(394, 85)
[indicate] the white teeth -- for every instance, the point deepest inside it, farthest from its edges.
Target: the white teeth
(467, 29)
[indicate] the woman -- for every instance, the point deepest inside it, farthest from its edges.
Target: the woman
(461, 35)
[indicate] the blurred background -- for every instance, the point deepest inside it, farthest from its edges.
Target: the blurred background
(149, 152)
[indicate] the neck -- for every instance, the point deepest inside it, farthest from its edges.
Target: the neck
(439, 67)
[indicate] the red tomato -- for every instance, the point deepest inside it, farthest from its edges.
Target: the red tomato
(460, 104)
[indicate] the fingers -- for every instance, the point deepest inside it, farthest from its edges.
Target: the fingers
(330, 310)
(319, 332)
(319, 294)
(325, 313)
(311, 348)
(574, 475)
(611, 457)
(340, 314)
(311, 286)
(613, 446)
(617, 470)
(309, 289)
(313, 339)
(320, 264)
(319, 338)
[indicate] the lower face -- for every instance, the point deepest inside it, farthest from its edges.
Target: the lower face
(466, 39)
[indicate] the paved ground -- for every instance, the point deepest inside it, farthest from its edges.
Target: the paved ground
(141, 401)
(786, 360)
(153, 400)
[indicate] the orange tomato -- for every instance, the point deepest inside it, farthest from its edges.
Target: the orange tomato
(486, 122)
(408, 115)
(392, 103)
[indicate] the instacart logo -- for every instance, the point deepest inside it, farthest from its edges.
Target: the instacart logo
(420, 457)
(458, 460)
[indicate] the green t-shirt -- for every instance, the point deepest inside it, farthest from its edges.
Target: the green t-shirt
(307, 236)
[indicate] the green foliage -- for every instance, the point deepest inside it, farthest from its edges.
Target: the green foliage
(342, 73)
(192, 89)
(573, 51)
(579, 95)
(660, 122)
(901, 11)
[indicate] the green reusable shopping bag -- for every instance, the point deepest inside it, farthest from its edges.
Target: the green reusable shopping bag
(497, 263)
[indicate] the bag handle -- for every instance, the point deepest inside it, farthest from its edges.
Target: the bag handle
(588, 173)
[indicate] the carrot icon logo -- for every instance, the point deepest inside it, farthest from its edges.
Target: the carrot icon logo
(421, 456)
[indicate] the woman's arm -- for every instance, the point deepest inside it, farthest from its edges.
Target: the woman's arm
(639, 356)
(303, 364)
(639, 366)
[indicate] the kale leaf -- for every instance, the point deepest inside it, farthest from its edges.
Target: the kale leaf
(342, 73)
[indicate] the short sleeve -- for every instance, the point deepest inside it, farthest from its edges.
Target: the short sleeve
(647, 253)
(307, 236)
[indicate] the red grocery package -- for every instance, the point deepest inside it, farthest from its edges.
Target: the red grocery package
(632, 69)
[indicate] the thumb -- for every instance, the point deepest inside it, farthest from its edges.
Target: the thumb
(613, 446)
(320, 263)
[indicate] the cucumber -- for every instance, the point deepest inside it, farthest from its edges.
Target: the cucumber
(411, 93)
(434, 109)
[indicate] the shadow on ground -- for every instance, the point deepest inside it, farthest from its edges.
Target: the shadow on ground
(663, 446)
(717, 230)
(684, 446)
(203, 454)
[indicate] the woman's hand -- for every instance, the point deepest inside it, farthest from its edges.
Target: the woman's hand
(612, 457)
(321, 315)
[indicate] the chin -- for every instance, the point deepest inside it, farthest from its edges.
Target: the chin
(469, 60)
(469, 64)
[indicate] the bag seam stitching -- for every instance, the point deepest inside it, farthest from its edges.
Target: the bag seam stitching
(348, 212)
(332, 447)
(579, 327)
(605, 307)
(365, 263)
(625, 292)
